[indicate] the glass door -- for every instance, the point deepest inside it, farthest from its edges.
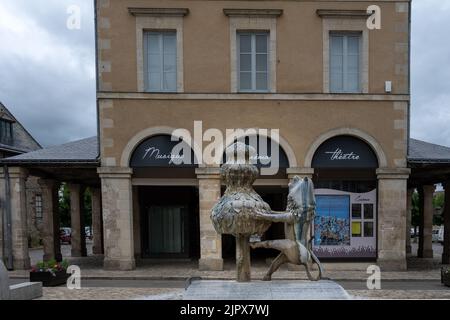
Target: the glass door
(167, 235)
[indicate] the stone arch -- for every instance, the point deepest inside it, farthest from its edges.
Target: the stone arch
(371, 141)
(134, 142)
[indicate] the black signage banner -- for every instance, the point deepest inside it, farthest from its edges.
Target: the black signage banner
(344, 152)
(158, 151)
(263, 159)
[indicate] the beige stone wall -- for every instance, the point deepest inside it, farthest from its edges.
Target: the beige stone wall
(300, 122)
(206, 49)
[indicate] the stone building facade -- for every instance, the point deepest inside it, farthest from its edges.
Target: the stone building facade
(312, 69)
(16, 140)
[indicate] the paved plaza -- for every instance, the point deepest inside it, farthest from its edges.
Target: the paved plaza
(167, 280)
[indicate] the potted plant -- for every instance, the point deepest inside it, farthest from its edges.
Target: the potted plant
(445, 275)
(51, 273)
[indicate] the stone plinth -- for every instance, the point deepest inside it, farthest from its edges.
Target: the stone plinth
(265, 290)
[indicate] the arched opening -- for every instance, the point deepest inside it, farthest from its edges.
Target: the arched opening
(346, 194)
(165, 199)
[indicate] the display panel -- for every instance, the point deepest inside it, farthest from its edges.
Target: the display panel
(345, 224)
(332, 222)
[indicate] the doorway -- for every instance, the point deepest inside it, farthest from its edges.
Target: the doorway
(169, 222)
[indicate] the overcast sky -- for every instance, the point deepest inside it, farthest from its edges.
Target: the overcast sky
(47, 71)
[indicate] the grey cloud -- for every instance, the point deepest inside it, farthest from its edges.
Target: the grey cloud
(51, 90)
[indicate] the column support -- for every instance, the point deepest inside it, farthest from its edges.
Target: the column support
(210, 240)
(426, 232)
(51, 222)
(446, 252)
(392, 194)
(18, 209)
(408, 219)
(117, 218)
(78, 236)
(97, 231)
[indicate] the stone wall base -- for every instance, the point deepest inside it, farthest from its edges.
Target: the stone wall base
(210, 264)
(118, 264)
(427, 254)
(392, 264)
(22, 264)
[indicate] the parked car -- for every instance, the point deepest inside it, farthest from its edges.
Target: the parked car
(88, 233)
(441, 235)
(65, 235)
(435, 235)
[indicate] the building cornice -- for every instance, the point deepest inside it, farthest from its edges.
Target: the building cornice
(336, 13)
(158, 12)
(254, 13)
(249, 96)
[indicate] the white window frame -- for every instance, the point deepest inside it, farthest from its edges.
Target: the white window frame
(253, 60)
(331, 25)
(160, 34)
(254, 24)
(345, 35)
(159, 24)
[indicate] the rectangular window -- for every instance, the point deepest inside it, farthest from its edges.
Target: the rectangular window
(5, 131)
(368, 229)
(356, 211)
(160, 61)
(345, 53)
(253, 62)
(38, 206)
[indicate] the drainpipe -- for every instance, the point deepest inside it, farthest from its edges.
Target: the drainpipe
(7, 230)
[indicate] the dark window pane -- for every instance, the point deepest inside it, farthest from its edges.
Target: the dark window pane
(356, 211)
(261, 43)
(368, 211)
(368, 229)
(245, 43)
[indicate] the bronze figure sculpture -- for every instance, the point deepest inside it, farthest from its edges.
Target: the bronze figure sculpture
(235, 213)
(243, 213)
(297, 247)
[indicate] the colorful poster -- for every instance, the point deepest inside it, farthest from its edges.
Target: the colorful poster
(332, 222)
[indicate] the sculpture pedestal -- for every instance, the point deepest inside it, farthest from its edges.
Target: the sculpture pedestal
(243, 263)
(265, 290)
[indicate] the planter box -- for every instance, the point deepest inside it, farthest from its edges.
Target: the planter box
(445, 276)
(48, 279)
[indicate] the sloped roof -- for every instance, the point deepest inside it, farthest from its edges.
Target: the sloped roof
(81, 151)
(23, 141)
(421, 151)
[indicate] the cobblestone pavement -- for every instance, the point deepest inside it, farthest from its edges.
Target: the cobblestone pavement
(91, 268)
(399, 294)
(62, 293)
